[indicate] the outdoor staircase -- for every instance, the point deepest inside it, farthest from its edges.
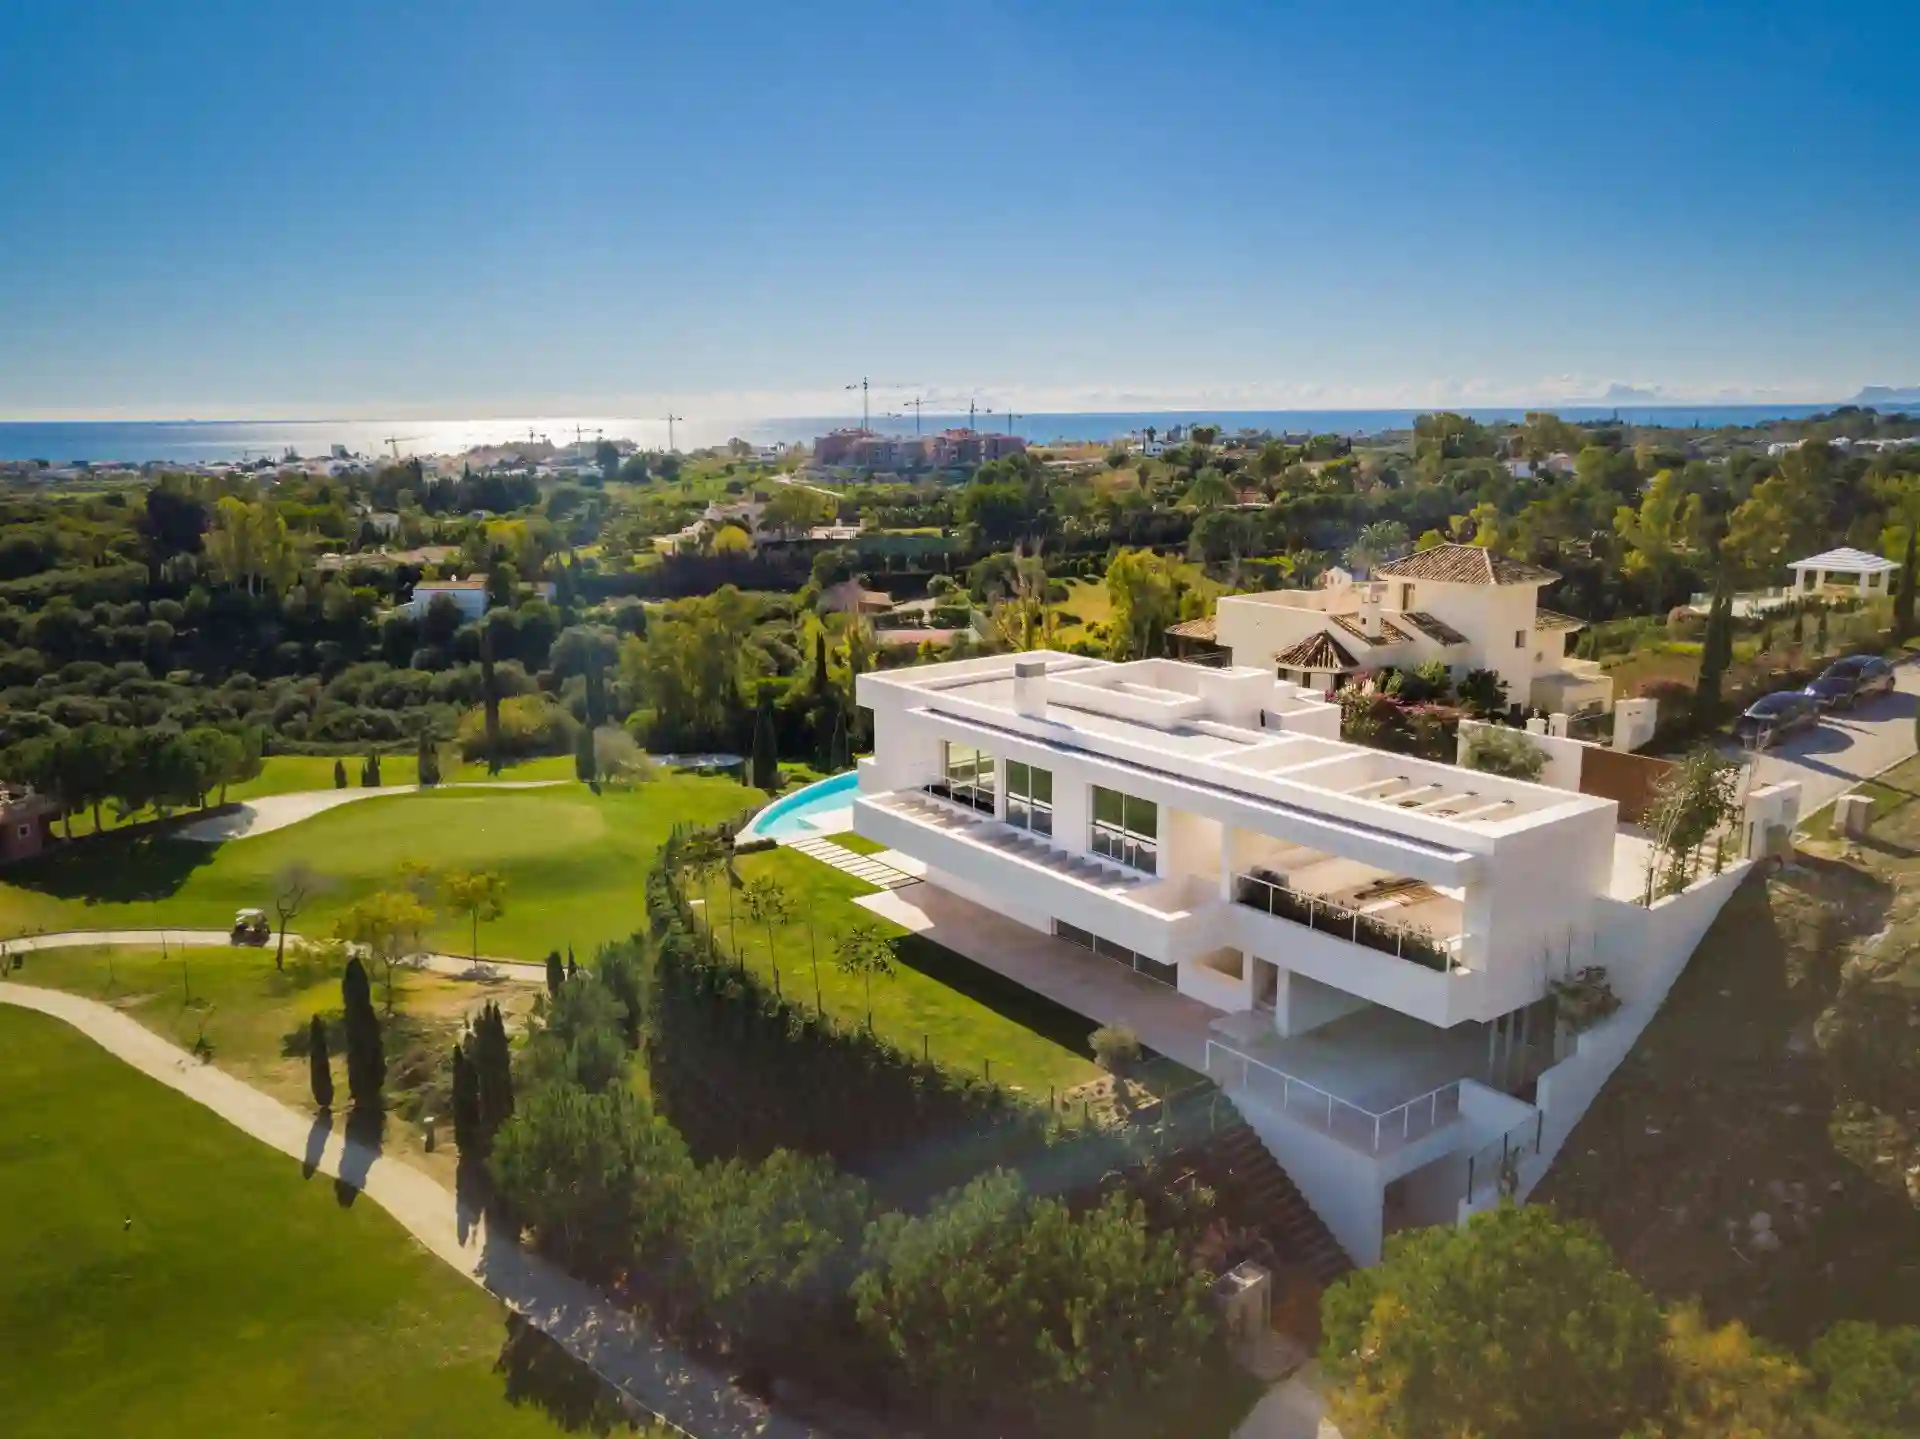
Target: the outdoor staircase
(1254, 1189)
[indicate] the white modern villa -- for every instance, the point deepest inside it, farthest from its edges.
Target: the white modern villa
(1357, 945)
(1462, 605)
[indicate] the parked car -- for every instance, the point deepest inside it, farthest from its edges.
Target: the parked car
(1772, 717)
(1844, 683)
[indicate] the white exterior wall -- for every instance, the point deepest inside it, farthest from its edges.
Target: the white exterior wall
(1536, 905)
(1644, 951)
(1489, 616)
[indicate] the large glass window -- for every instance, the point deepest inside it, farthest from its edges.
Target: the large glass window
(1126, 829)
(966, 776)
(1029, 797)
(1107, 949)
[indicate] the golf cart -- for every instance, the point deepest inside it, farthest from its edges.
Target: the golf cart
(250, 927)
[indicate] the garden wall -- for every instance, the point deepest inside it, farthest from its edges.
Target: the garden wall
(1644, 951)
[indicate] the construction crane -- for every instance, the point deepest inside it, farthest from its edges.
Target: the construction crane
(396, 441)
(865, 386)
(915, 404)
(671, 420)
(579, 430)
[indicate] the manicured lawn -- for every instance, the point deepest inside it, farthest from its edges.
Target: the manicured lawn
(240, 1299)
(936, 1002)
(293, 773)
(255, 1018)
(575, 864)
(858, 843)
(1088, 603)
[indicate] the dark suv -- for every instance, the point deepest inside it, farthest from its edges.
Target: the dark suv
(1771, 718)
(1846, 682)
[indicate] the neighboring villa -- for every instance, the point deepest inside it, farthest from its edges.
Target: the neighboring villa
(1463, 605)
(1356, 944)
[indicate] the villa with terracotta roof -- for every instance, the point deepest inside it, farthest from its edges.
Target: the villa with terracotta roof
(1462, 605)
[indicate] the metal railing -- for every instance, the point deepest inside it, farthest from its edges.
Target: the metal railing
(1490, 1161)
(1341, 1118)
(1402, 941)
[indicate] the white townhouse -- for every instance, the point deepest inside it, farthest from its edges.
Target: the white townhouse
(1357, 945)
(1461, 604)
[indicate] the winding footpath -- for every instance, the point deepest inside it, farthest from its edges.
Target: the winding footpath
(622, 1349)
(456, 966)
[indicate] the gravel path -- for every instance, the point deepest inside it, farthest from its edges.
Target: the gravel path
(277, 811)
(619, 1347)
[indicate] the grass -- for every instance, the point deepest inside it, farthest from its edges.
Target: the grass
(936, 1002)
(1778, 1077)
(162, 1274)
(858, 843)
(1087, 604)
(574, 863)
(294, 773)
(255, 1019)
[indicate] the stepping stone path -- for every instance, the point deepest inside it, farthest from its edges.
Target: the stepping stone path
(860, 866)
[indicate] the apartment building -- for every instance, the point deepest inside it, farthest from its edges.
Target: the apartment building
(1358, 945)
(1463, 605)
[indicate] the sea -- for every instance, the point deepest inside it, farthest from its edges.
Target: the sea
(209, 441)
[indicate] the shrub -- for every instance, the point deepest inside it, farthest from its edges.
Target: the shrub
(1496, 749)
(529, 725)
(1116, 1048)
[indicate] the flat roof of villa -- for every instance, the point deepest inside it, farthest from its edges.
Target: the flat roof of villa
(1157, 715)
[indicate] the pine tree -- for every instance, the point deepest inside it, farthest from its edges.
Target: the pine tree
(556, 974)
(466, 1100)
(366, 1055)
(339, 774)
(319, 1064)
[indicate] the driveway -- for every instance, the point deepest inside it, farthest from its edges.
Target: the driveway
(1847, 747)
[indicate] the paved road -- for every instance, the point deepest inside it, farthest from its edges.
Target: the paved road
(619, 1347)
(457, 966)
(1847, 747)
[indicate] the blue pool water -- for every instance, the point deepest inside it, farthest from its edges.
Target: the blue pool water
(789, 817)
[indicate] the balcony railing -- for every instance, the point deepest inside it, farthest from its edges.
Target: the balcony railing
(1492, 1163)
(1402, 941)
(1342, 1119)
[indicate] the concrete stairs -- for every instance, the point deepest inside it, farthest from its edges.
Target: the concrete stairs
(1253, 1188)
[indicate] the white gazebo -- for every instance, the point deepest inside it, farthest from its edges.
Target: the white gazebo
(1843, 569)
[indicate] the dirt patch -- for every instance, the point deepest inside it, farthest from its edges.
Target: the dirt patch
(1760, 1148)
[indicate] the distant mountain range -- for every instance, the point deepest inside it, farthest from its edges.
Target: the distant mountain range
(1882, 397)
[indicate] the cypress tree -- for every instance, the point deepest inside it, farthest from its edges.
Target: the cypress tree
(766, 760)
(556, 974)
(493, 1073)
(466, 1102)
(366, 1056)
(339, 774)
(573, 970)
(490, 698)
(319, 1064)
(428, 762)
(584, 768)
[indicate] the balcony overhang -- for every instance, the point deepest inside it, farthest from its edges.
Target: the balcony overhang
(1335, 834)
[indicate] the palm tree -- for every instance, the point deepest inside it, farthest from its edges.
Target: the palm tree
(1374, 543)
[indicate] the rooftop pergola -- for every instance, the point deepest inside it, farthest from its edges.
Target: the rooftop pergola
(1843, 569)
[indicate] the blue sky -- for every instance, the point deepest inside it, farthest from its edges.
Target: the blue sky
(334, 209)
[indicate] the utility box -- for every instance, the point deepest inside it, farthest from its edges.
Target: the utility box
(1245, 1296)
(1852, 813)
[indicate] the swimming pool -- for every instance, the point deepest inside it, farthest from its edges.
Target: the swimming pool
(803, 812)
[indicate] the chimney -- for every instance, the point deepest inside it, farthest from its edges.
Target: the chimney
(1030, 688)
(1370, 612)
